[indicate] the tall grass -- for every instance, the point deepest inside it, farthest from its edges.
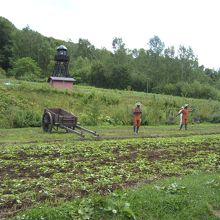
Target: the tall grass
(22, 104)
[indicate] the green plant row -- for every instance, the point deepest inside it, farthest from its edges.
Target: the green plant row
(36, 173)
(195, 196)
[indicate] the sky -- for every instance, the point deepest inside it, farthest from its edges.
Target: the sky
(190, 23)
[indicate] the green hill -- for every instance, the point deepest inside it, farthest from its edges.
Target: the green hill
(22, 104)
(28, 55)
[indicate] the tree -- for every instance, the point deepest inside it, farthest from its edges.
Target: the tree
(97, 76)
(26, 68)
(6, 43)
(85, 49)
(212, 74)
(118, 44)
(120, 77)
(32, 44)
(170, 52)
(2, 73)
(156, 45)
(121, 56)
(188, 62)
(82, 69)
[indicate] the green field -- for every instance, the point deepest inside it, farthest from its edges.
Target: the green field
(162, 173)
(40, 169)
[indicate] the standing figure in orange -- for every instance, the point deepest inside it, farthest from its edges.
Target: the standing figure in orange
(185, 112)
(137, 117)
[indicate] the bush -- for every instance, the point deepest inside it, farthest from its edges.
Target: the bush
(194, 90)
(26, 69)
(122, 116)
(2, 73)
(169, 89)
(171, 120)
(24, 118)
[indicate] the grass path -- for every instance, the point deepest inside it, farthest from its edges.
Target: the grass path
(36, 135)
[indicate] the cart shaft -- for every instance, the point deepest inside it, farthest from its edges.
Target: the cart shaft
(71, 130)
(87, 130)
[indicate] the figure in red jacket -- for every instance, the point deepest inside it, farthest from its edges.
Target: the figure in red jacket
(137, 117)
(185, 112)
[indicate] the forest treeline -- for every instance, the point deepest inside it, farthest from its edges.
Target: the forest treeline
(27, 55)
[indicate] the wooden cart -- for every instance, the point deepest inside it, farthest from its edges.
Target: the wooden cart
(54, 118)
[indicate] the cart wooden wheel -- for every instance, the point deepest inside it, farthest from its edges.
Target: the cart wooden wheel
(47, 122)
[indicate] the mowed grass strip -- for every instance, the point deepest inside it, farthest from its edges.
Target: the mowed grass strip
(37, 135)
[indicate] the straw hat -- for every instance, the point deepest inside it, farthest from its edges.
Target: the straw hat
(138, 104)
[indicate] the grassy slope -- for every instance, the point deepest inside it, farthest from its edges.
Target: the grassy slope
(95, 106)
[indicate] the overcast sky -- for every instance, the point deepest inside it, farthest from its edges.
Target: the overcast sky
(193, 23)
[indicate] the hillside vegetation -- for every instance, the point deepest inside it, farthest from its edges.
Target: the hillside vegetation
(28, 55)
(22, 104)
